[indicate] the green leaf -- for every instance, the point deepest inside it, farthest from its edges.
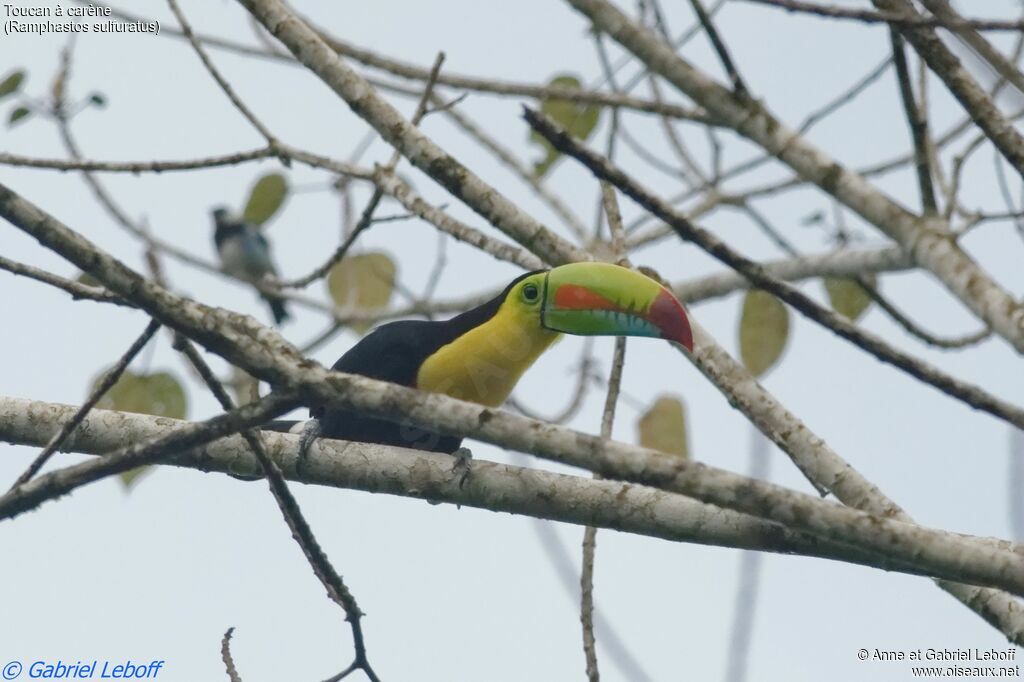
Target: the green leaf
(18, 114)
(847, 296)
(364, 282)
(815, 218)
(11, 84)
(129, 479)
(166, 396)
(98, 100)
(579, 119)
(764, 329)
(159, 394)
(265, 198)
(663, 427)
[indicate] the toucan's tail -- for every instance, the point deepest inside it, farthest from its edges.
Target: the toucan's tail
(281, 425)
(278, 309)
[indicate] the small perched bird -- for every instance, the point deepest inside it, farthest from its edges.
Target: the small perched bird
(480, 355)
(245, 254)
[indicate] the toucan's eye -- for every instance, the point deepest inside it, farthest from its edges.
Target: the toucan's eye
(531, 293)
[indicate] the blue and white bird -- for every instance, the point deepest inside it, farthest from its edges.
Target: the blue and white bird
(245, 254)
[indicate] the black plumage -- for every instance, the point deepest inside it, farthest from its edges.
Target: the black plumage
(394, 352)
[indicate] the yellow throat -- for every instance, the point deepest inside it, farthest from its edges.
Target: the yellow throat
(484, 364)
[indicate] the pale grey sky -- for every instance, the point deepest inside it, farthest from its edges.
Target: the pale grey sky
(465, 594)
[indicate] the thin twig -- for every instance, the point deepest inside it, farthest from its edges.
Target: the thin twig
(366, 219)
(611, 208)
(870, 17)
(109, 378)
(918, 126)
(77, 290)
(738, 87)
(301, 532)
(966, 392)
(137, 166)
(590, 533)
(225, 655)
(186, 29)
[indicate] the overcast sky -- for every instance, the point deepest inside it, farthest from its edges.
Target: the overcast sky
(450, 594)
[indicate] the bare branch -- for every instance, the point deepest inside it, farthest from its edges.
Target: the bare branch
(186, 30)
(225, 655)
(108, 379)
(892, 16)
(366, 219)
(297, 524)
(77, 290)
(918, 126)
(137, 166)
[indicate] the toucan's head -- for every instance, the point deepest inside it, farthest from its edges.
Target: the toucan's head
(601, 299)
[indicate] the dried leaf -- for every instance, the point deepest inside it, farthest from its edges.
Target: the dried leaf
(663, 427)
(764, 329)
(364, 282)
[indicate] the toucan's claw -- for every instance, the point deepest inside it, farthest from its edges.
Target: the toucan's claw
(463, 457)
(310, 432)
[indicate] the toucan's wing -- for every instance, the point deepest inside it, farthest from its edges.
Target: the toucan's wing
(393, 352)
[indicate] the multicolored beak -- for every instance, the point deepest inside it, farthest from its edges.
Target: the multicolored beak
(601, 299)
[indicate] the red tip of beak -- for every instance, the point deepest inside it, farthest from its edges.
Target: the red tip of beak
(667, 313)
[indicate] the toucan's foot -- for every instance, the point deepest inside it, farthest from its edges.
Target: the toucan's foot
(310, 432)
(463, 458)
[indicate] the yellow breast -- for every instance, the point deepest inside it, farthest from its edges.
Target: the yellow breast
(484, 364)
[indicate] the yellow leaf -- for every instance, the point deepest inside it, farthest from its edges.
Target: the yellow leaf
(364, 282)
(764, 329)
(663, 427)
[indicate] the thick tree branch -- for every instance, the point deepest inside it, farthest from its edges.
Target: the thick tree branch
(420, 475)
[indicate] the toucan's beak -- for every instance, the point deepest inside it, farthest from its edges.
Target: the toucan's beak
(601, 299)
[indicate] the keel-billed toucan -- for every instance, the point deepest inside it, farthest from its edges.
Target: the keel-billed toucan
(479, 355)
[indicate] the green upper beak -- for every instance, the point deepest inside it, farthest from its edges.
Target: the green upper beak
(601, 299)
